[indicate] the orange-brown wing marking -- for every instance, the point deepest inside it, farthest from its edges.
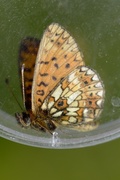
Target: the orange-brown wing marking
(27, 56)
(57, 56)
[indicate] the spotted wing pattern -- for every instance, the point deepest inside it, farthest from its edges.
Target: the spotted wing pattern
(60, 89)
(27, 56)
(78, 99)
(58, 55)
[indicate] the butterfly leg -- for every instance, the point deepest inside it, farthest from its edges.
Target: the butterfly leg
(43, 125)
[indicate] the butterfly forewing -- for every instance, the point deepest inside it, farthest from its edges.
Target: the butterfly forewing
(58, 55)
(27, 56)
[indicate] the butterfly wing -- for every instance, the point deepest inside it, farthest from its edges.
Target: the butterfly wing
(78, 99)
(27, 56)
(58, 55)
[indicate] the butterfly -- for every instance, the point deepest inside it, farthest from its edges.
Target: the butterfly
(58, 89)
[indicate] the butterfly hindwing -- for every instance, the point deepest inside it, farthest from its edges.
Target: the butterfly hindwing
(77, 99)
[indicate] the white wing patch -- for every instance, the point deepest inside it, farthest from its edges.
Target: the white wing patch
(78, 98)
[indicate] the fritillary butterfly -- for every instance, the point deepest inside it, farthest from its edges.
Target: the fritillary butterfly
(58, 89)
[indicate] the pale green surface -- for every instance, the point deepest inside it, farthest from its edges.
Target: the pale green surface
(96, 27)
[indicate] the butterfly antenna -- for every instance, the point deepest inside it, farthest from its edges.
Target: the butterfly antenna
(7, 82)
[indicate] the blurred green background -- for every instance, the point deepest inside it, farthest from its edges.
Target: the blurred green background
(95, 25)
(23, 162)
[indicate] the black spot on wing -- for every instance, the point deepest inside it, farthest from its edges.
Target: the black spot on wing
(85, 82)
(44, 74)
(39, 100)
(54, 78)
(40, 92)
(54, 59)
(44, 62)
(91, 94)
(28, 95)
(27, 70)
(29, 80)
(58, 43)
(90, 102)
(65, 56)
(29, 87)
(56, 65)
(42, 83)
(57, 34)
(60, 103)
(67, 66)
